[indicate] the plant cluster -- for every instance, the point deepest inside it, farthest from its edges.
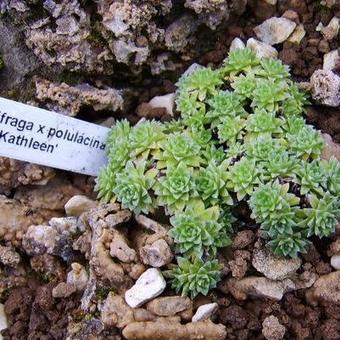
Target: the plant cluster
(241, 136)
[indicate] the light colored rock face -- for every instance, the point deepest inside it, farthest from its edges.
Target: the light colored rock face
(272, 329)
(169, 305)
(270, 2)
(157, 254)
(330, 149)
(273, 267)
(167, 101)
(78, 276)
(148, 286)
(297, 35)
(326, 87)
(236, 43)
(259, 287)
(335, 261)
(331, 30)
(331, 60)
(3, 319)
(262, 49)
(78, 204)
(40, 239)
(204, 312)
(275, 30)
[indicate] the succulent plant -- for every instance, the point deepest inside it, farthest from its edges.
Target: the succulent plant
(260, 148)
(332, 173)
(289, 244)
(234, 151)
(273, 69)
(240, 60)
(295, 103)
(243, 176)
(176, 188)
(263, 123)
(194, 277)
(178, 148)
(105, 182)
(201, 83)
(145, 137)
(133, 187)
(211, 183)
(321, 218)
(293, 124)
(230, 130)
(273, 207)
(120, 131)
(244, 86)
(213, 153)
(188, 104)
(280, 164)
(197, 232)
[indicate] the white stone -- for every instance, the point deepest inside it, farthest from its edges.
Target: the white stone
(3, 319)
(325, 87)
(330, 60)
(297, 35)
(262, 49)
(271, 2)
(273, 267)
(236, 43)
(78, 204)
(335, 261)
(167, 101)
(331, 30)
(204, 312)
(39, 238)
(148, 286)
(77, 277)
(275, 30)
(193, 67)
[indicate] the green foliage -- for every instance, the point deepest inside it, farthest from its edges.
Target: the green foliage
(240, 139)
(194, 277)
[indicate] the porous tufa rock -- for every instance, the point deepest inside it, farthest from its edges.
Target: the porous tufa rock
(273, 267)
(261, 49)
(272, 329)
(275, 30)
(205, 312)
(114, 312)
(331, 30)
(236, 43)
(78, 204)
(335, 261)
(326, 87)
(169, 305)
(331, 60)
(120, 249)
(259, 287)
(9, 257)
(167, 101)
(148, 286)
(63, 290)
(157, 254)
(77, 277)
(331, 149)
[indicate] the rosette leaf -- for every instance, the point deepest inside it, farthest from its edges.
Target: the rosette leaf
(289, 244)
(133, 186)
(240, 60)
(260, 148)
(194, 277)
(105, 182)
(295, 102)
(244, 86)
(293, 124)
(188, 104)
(230, 130)
(273, 69)
(120, 131)
(263, 123)
(332, 171)
(280, 164)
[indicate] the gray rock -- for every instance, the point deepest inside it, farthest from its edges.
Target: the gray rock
(3, 319)
(275, 30)
(272, 329)
(331, 30)
(148, 286)
(236, 43)
(273, 267)
(78, 204)
(204, 312)
(262, 49)
(335, 261)
(167, 101)
(331, 60)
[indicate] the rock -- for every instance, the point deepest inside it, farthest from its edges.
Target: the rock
(262, 49)
(326, 289)
(291, 15)
(334, 248)
(148, 286)
(297, 35)
(115, 312)
(271, 2)
(120, 249)
(167, 101)
(40, 239)
(78, 276)
(275, 30)
(169, 305)
(9, 257)
(272, 329)
(331, 149)
(78, 204)
(204, 312)
(239, 265)
(259, 287)
(331, 60)
(236, 43)
(63, 290)
(326, 87)
(243, 239)
(156, 254)
(3, 319)
(335, 261)
(331, 30)
(193, 67)
(273, 267)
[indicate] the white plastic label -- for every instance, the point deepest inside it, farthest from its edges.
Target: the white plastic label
(34, 135)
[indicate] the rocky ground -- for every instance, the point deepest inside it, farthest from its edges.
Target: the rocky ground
(71, 268)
